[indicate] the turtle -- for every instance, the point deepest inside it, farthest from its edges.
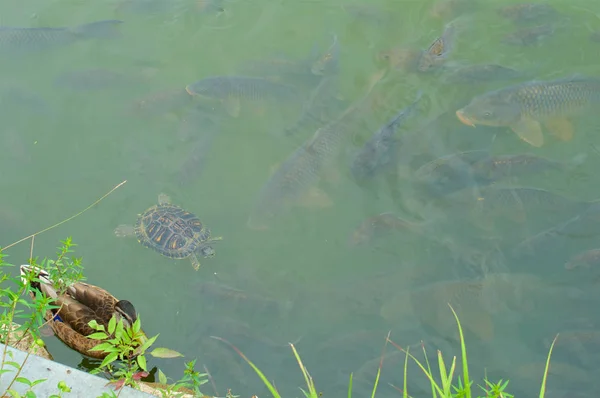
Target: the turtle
(172, 231)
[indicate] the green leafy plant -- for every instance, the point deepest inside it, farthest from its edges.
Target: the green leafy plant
(126, 347)
(21, 319)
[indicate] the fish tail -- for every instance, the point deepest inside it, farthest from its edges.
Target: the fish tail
(99, 29)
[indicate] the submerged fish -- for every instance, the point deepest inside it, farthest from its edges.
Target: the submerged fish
(450, 173)
(429, 305)
(29, 39)
(94, 79)
(232, 89)
(405, 59)
(162, 102)
(438, 51)
(320, 107)
(585, 259)
(296, 178)
(448, 9)
(200, 128)
(525, 107)
(528, 12)
(382, 224)
(519, 202)
(529, 36)
(327, 63)
(482, 73)
(379, 151)
(502, 166)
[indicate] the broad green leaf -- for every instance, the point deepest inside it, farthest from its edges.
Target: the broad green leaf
(148, 343)
(162, 378)
(161, 352)
(98, 336)
(111, 325)
(30, 394)
(13, 364)
(110, 358)
(23, 380)
(141, 360)
(35, 383)
(137, 325)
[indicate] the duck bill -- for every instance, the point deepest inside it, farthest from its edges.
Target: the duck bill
(460, 114)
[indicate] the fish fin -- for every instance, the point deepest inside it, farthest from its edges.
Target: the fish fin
(315, 197)
(232, 106)
(561, 128)
(529, 130)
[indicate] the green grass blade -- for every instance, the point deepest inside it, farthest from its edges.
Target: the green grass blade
(434, 385)
(463, 350)
(266, 382)
(307, 378)
(405, 386)
(543, 387)
(350, 387)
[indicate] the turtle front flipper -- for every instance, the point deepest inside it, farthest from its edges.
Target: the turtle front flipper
(195, 261)
(125, 230)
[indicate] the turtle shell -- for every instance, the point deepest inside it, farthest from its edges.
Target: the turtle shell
(170, 230)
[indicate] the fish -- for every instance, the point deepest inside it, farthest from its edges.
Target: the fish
(94, 79)
(379, 151)
(473, 74)
(283, 68)
(406, 59)
(381, 224)
(518, 202)
(528, 12)
(319, 108)
(294, 181)
(327, 63)
(525, 107)
(532, 36)
(585, 259)
(367, 12)
(438, 51)
(495, 168)
(429, 305)
(246, 300)
(231, 89)
(19, 39)
(162, 102)
(450, 173)
(446, 9)
(204, 129)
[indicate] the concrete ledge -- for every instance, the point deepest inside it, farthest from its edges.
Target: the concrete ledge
(82, 384)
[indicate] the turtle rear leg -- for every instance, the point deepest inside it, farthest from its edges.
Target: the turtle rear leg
(125, 230)
(195, 261)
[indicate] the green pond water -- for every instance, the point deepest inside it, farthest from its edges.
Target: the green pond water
(299, 281)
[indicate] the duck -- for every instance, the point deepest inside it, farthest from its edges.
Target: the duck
(80, 304)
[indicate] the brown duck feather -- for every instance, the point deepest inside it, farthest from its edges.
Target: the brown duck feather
(81, 304)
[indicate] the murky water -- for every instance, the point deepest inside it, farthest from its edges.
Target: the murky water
(79, 118)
